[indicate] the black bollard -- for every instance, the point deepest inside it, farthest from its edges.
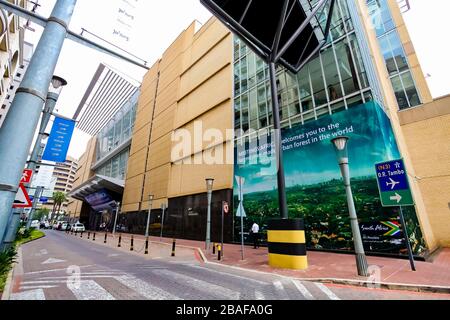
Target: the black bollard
(146, 246)
(106, 237)
(120, 241)
(174, 247)
(214, 248)
(93, 238)
(89, 235)
(132, 244)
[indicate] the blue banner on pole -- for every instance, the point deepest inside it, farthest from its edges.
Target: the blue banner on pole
(59, 140)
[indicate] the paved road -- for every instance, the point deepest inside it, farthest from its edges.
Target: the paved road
(64, 267)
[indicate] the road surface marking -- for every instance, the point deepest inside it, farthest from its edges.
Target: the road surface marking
(280, 288)
(199, 284)
(327, 291)
(230, 275)
(80, 276)
(90, 290)
(37, 287)
(55, 270)
(29, 295)
(300, 287)
(53, 261)
(259, 295)
(146, 290)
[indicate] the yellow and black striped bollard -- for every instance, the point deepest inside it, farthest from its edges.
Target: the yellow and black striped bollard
(219, 252)
(287, 244)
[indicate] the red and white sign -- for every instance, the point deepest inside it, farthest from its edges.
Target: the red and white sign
(26, 176)
(22, 198)
(226, 208)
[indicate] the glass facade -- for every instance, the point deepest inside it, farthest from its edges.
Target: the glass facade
(394, 55)
(333, 81)
(118, 129)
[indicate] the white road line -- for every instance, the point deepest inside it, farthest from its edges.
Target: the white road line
(230, 275)
(300, 287)
(145, 289)
(29, 295)
(259, 295)
(199, 284)
(55, 270)
(81, 276)
(280, 288)
(90, 290)
(36, 287)
(327, 291)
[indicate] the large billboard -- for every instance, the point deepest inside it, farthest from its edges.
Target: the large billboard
(315, 191)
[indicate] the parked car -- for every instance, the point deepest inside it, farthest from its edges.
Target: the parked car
(35, 224)
(57, 226)
(45, 225)
(78, 227)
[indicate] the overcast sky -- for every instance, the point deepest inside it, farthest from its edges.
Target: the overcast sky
(160, 21)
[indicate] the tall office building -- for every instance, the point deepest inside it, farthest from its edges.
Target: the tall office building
(15, 55)
(366, 83)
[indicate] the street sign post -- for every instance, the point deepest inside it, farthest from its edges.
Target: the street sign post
(225, 210)
(395, 191)
(393, 184)
(22, 198)
(241, 212)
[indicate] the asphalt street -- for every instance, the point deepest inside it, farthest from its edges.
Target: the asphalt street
(64, 267)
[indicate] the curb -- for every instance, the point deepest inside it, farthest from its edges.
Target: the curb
(354, 283)
(8, 286)
(382, 285)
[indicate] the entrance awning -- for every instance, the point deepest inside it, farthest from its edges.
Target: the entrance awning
(96, 184)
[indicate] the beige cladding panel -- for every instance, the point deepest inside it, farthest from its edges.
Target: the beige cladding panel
(144, 116)
(147, 95)
(214, 32)
(183, 41)
(213, 92)
(163, 124)
(156, 182)
(216, 163)
(167, 97)
(151, 74)
(211, 63)
(140, 139)
(156, 204)
(127, 208)
(133, 190)
(209, 130)
(136, 163)
(160, 152)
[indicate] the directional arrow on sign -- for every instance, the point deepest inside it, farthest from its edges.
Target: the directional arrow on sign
(397, 198)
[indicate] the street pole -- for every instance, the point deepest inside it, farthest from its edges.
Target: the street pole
(281, 181)
(221, 236)
(150, 199)
(163, 207)
(408, 243)
(340, 144)
(37, 197)
(17, 132)
(209, 186)
(241, 196)
(115, 219)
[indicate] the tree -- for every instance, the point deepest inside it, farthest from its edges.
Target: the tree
(58, 199)
(41, 213)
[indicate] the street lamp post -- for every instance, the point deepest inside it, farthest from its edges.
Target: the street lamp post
(150, 199)
(209, 188)
(54, 91)
(340, 145)
(17, 132)
(115, 219)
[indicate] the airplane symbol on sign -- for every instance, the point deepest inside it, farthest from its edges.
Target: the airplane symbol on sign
(393, 183)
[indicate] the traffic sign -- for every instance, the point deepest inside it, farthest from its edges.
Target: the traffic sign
(22, 198)
(26, 176)
(226, 207)
(393, 184)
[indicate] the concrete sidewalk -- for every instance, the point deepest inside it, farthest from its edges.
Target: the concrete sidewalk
(327, 267)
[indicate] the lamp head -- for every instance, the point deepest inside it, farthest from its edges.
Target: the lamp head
(151, 197)
(57, 84)
(340, 144)
(209, 184)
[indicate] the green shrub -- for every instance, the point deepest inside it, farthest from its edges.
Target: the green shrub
(7, 259)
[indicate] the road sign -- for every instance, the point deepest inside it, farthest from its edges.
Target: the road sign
(393, 184)
(226, 207)
(26, 176)
(22, 198)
